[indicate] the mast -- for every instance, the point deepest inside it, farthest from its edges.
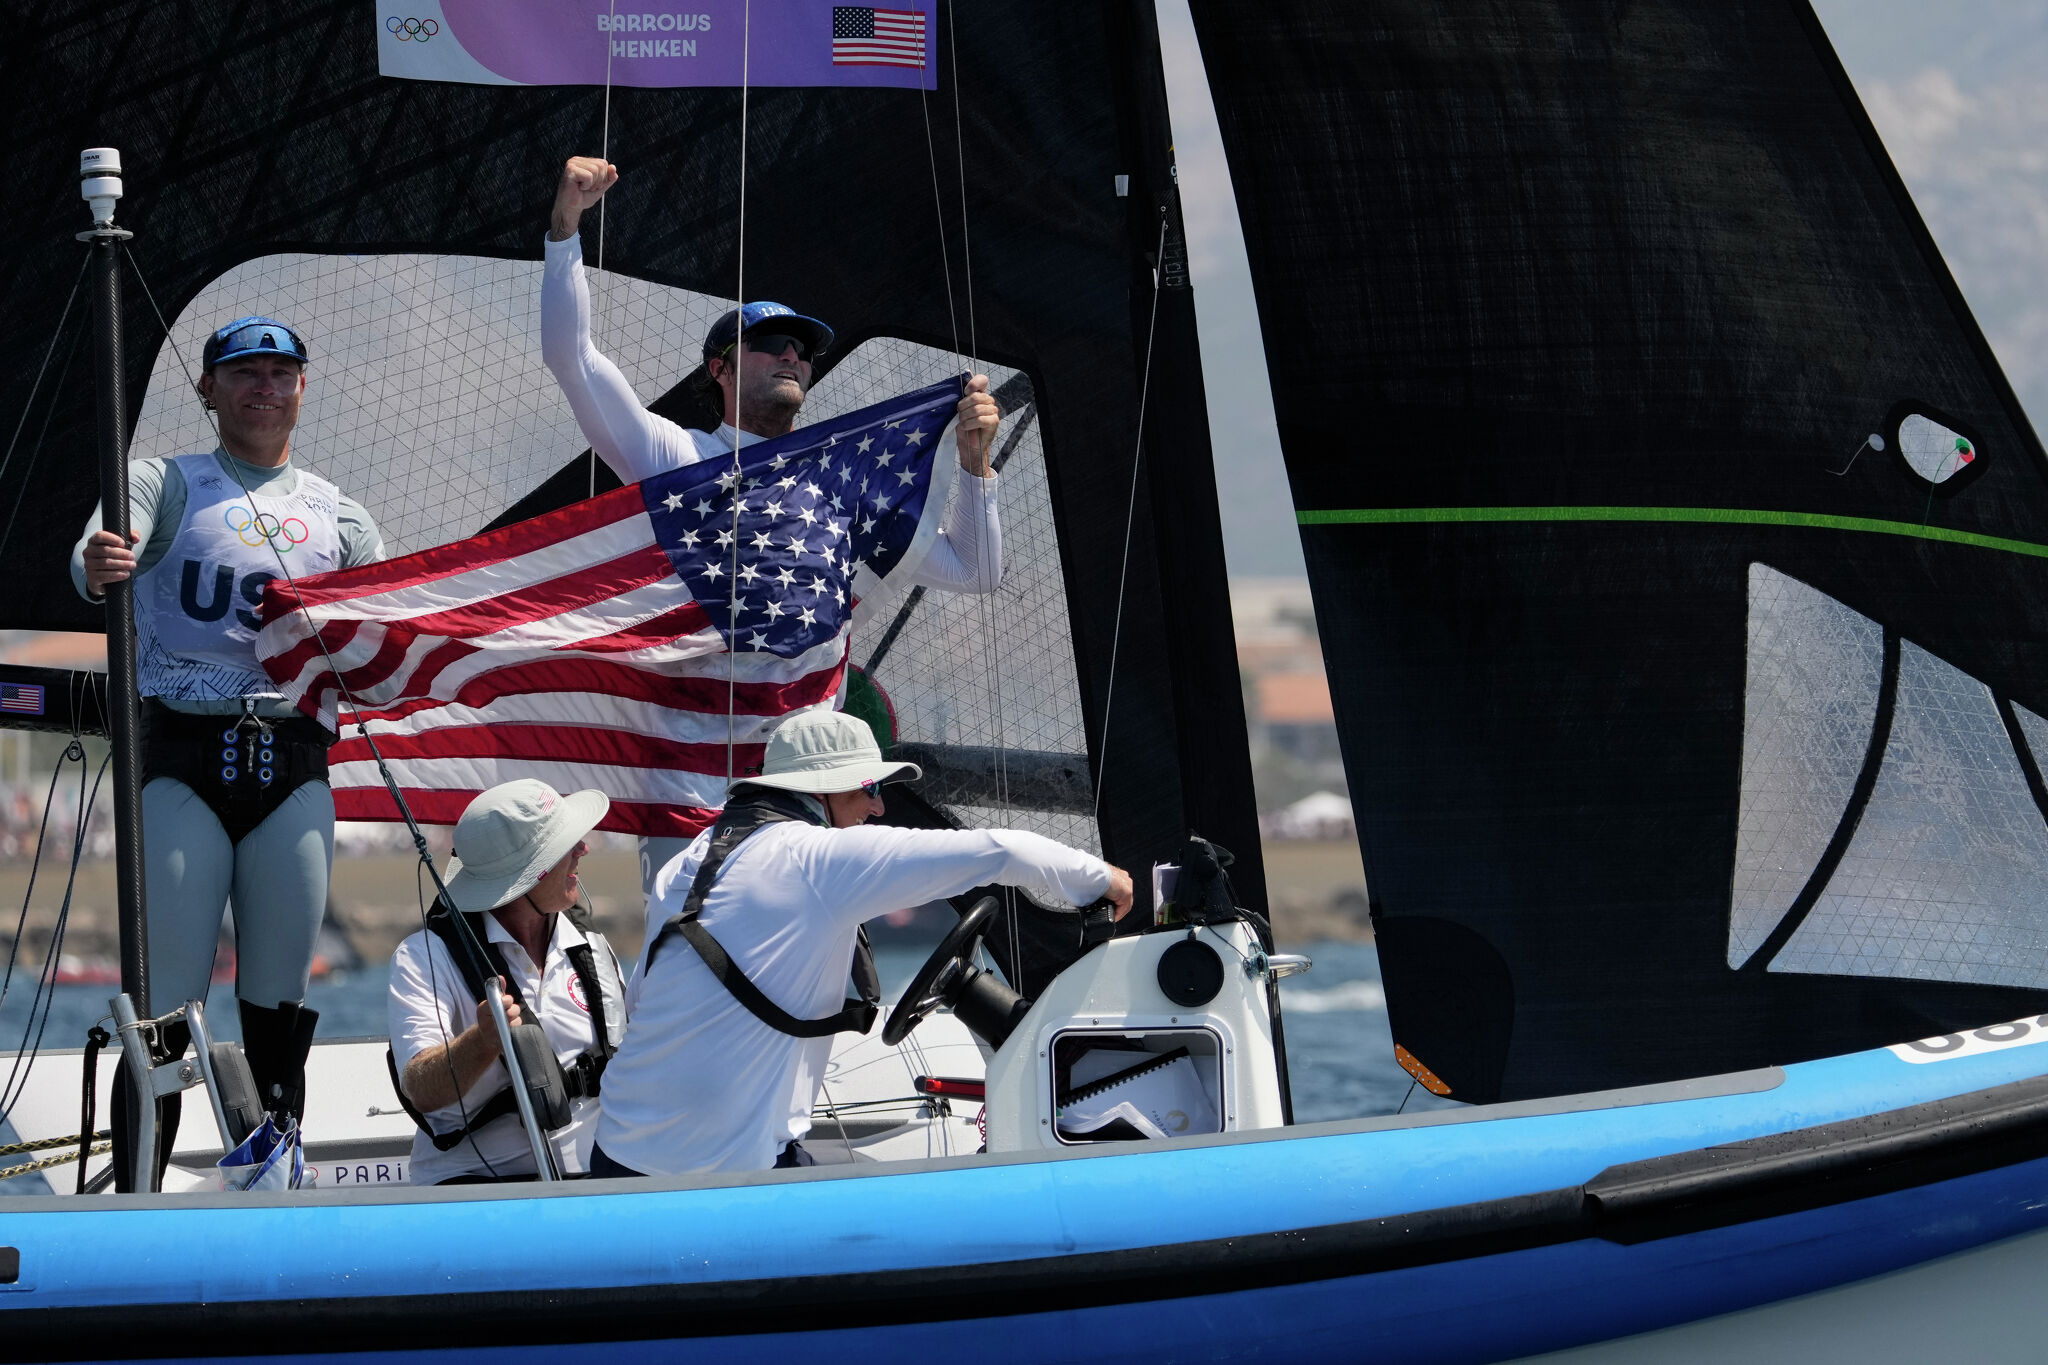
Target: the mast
(99, 171)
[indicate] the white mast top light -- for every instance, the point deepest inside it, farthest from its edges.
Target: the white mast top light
(99, 177)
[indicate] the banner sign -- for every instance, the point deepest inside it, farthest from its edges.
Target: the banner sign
(659, 43)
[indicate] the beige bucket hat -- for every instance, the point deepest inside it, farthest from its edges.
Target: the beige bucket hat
(826, 751)
(511, 835)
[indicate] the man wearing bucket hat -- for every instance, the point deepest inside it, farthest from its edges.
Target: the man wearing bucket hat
(758, 373)
(235, 802)
(513, 875)
(730, 1027)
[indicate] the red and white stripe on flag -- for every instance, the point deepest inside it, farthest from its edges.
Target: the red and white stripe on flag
(570, 647)
(561, 648)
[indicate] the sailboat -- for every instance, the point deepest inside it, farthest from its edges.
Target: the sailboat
(1695, 774)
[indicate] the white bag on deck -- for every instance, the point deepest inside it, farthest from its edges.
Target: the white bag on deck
(267, 1160)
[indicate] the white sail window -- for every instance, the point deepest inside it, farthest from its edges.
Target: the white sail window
(426, 398)
(428, 402)
(1814, 671)
(991, 676)
(1947, 876)
(1934, 452)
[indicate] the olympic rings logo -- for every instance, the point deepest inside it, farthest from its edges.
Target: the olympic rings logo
(261, 527)
(411, 30)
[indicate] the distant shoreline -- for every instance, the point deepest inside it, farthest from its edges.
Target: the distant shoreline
(1317, 892)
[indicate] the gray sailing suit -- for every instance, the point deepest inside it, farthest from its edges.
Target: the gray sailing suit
(276, 877)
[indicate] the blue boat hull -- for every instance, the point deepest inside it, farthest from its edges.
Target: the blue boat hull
(1483, 1235)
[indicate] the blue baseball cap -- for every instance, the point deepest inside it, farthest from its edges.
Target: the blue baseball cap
(253, 336)
(810, 331)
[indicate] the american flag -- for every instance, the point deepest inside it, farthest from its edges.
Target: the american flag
(24, 698)
(590, 647)
(877, 37)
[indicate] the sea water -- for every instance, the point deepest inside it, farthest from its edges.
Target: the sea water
(1340, 1056)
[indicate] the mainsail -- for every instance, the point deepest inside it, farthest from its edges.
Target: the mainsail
(1688, 728)
(272, 168)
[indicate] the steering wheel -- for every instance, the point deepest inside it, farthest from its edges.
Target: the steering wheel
(943, 973)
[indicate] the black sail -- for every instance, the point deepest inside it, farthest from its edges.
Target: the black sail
(1686, 729)
(254, 134)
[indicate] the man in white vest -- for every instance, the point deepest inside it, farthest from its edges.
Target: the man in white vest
(725, 1058)
(235, 802)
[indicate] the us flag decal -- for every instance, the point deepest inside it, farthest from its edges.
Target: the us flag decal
(877, 37)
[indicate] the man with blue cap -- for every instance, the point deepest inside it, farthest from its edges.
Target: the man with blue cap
(760, 359)
(235, 801)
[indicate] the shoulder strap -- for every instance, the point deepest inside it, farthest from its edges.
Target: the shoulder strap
(475, 954)
(584, 962)
(761, 807)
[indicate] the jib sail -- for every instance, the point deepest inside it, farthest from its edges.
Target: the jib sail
(1689, 727)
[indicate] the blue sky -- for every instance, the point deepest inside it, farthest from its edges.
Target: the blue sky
(1954, 87)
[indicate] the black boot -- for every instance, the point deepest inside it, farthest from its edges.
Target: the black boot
(276, 1042)
(169, 1108)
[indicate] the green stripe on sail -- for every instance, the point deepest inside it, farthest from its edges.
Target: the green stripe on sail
(1344, 516)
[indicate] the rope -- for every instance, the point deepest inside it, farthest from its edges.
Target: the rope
(49, 1143)
(990, 639)
(73, 751)
(1130, 515)
(46, 981)
(739, 323)
(46, 1163)
(28, 404)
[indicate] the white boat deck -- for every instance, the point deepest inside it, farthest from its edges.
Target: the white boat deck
(356, 1132)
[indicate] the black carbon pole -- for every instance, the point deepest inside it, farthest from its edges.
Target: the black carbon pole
(98, 168)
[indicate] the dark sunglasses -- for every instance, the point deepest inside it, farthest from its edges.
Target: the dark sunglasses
(870, 789)
(773, 343)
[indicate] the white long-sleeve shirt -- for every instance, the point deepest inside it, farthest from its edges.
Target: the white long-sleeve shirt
(700, 1084)
(636, 443)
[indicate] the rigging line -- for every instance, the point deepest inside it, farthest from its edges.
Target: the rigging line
(49, 350)
(334, 670)
(427, 946)
(736, 365)
(939, 210)
(42, 434)
(1130, 517)
(46, 981)
(73, 750)
(991, 644)
(960, 154)
(604, 154)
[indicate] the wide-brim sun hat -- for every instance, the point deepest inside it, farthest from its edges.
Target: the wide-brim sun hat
(509, 837)
(818, 752)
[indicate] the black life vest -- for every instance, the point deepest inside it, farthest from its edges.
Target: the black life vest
(752, 809)
(582, 1078)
